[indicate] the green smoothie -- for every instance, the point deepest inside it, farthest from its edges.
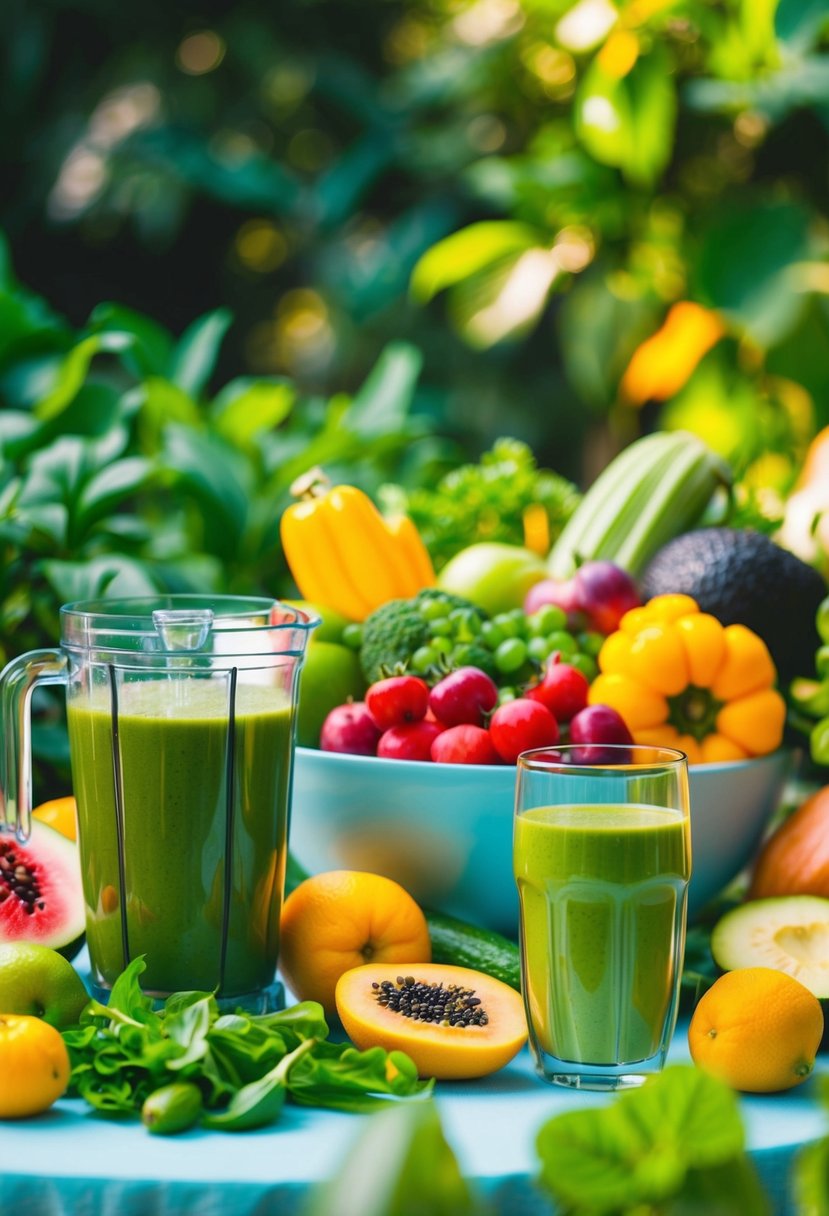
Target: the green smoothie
(186, 806)
(602, 896)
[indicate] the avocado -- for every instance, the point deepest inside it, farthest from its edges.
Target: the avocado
(743, 577)
(787, 932)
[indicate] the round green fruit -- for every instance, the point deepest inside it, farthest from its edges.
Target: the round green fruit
(332, 624)
(330, 675)
(493, 575)
(39, 982)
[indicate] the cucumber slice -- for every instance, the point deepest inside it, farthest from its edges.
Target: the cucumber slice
(788, 933)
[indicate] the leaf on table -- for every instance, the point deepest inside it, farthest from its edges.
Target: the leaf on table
(400, 1164)
(340, 1077)
(188, 1026)
(640, 1149)
(261, 1101)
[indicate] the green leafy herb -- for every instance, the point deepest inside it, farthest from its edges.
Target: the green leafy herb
(245, 1066)
(678, 1138)
(485, 501)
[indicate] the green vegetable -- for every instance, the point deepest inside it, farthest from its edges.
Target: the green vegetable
(127, 1057)
(463, 945)
(172, 1108)
(483, 502)
(395, 631)
(810, 697)
(676, 1144)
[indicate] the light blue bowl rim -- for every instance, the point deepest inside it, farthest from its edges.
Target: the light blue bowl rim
(412, 768)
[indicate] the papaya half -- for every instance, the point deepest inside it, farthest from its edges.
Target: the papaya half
(454, 1022)
(795, 858)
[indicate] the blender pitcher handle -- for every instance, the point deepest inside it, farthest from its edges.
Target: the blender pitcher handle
(18, 681)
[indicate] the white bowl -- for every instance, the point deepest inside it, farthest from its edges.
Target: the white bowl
(444, 831)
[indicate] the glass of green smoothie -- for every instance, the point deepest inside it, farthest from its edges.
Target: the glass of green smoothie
(602, 859)
(181, 715)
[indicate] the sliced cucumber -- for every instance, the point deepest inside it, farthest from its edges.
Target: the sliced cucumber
(788, 933)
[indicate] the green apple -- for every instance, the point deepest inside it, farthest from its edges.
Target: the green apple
(493, 575)
(37, 981)
(330, 675)
(331, 624)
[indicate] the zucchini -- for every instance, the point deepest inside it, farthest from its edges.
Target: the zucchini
(463, 945)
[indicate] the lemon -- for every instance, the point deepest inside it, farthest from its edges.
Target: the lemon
(34, 1065)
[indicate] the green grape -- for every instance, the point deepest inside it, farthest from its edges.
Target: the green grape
(521, 619)
(819, 742)
(511, 655)
(467, 623)
(563, 642)
(548, 619)
(508, 625)
(590, 642)
(586, 664)
(440, 647)
(506, 694)
(433, 609)
(492, 635)
(538, 649)
(422, 660)
(353, 636)
(441, 628)
(461, 655)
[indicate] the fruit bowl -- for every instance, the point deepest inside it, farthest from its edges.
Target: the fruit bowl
(444, 831)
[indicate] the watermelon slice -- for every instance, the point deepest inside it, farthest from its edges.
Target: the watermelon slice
(41, 895)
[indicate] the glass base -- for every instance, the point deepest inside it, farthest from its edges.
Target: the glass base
(266, 1000)
(596, 1077)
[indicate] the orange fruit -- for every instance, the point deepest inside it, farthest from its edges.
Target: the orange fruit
(757, 1029)
(34, 1065)
(60, 814)
(342, 919)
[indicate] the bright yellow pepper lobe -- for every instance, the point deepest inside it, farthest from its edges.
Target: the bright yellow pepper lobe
(677, 676)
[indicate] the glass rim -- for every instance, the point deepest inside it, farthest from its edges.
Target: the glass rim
(661, 759)
(134, 613)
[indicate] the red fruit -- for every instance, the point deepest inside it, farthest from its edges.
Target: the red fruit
(563, 690)
(464, 695)
(350, 728)
(562, 594)
(605, 592)
(520, 725)
(397, 700)
(464, 744)
(411, 741)
(596, 725)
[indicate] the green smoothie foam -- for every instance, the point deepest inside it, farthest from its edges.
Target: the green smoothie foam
(602, 915)
(173, 749)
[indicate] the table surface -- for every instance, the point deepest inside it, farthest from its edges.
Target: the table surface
(69, 1160)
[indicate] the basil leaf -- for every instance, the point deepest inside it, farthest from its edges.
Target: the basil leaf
(126, 997)
(188, 1027)
(639, 1150)
(260, 1102)
(179, 1001)
(340, 1077)
(306, 1019)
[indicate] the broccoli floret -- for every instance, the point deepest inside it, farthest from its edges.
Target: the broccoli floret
(395, 630)
(391, 635)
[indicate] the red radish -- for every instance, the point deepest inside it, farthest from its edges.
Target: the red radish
(563, 690)
(596, 725)
(520, 725)
(465, 695)
(350, 728)
(464, 744)
(411, 741)
(397, 700)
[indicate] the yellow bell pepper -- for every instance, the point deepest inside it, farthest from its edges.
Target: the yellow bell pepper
(680, 678)
(344, 554)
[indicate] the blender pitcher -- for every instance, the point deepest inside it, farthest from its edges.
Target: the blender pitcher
(181, 713)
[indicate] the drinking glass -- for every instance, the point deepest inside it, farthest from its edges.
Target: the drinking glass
(602, 859)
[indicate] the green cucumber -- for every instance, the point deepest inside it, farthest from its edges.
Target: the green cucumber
(454, 941)
(463, 945)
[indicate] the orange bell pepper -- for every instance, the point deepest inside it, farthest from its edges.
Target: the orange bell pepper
(679, 678)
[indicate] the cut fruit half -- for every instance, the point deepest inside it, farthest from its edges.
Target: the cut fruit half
(789, 933)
